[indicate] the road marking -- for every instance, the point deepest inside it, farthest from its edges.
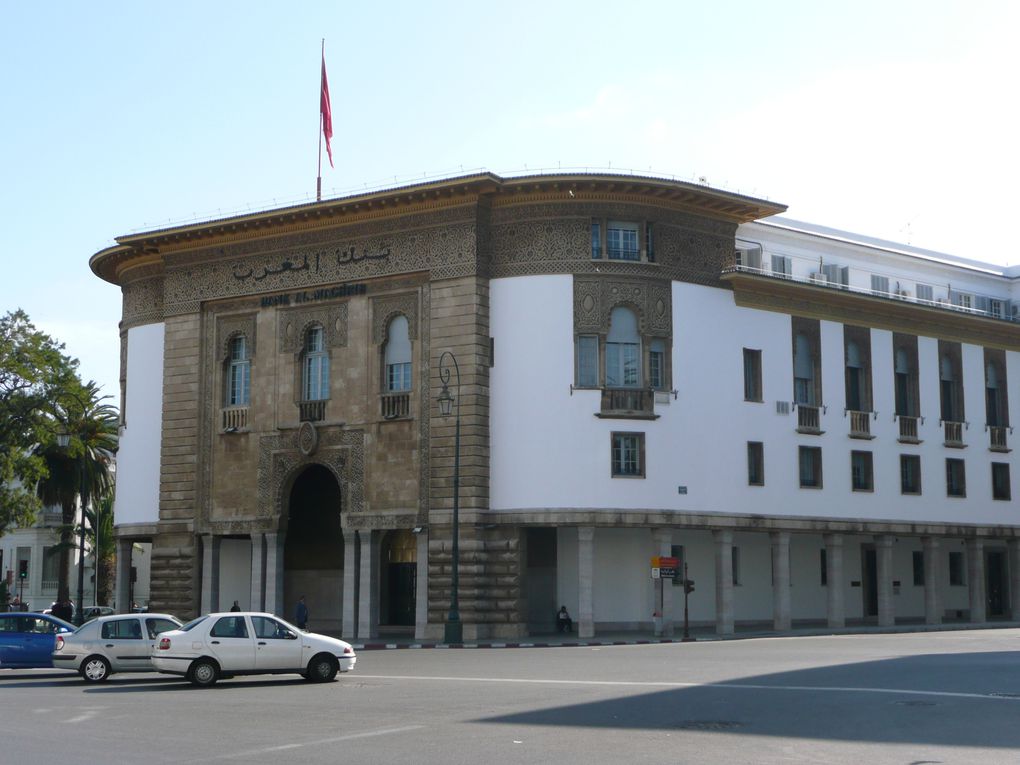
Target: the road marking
(992, 695)
(317, 742)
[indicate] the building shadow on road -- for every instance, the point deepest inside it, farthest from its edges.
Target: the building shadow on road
(940, 699)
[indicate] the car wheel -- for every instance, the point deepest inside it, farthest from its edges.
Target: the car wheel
(203, 672)
(95, 669)
(322, 668)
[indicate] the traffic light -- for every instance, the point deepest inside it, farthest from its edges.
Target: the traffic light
(22, 569)
(688, 586)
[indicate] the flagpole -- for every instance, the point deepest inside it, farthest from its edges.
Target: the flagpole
(318, 179)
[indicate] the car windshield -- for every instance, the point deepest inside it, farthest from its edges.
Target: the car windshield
(193, 623)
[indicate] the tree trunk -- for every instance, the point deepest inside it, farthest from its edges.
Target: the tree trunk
(107, 572)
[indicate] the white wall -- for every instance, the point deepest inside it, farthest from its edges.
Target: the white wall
(137, 493)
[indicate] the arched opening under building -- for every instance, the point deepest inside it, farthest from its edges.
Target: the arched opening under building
(398, 578)
(313, 553)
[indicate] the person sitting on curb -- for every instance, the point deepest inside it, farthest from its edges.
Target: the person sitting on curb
(563, 621)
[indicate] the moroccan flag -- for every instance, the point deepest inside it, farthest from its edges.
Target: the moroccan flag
(326, 112)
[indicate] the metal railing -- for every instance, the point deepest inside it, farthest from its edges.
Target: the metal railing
(628, 400)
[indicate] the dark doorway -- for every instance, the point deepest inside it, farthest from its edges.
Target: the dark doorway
(996, 582)
(540, 580)
(399, 578)
(314, 550)
(869, 581)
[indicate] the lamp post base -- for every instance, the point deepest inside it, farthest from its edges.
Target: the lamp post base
(454, 633)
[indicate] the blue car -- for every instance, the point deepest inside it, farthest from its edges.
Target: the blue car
(27, 639)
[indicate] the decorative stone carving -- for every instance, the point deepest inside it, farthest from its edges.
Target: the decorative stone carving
(229, 327)
(294, 323)
(142, 302)
(308, 438)
(386, 307)
(596, 297)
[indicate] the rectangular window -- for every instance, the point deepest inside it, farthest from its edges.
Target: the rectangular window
(398, 376)
(657, 365)
(918, 561)
(880, 284)
(861, 475)
(628, 455)
(649, 243)
(957, 578)
(587, 361)
(1000, 480)
(782, 266)
(596, 240)
(823, 560)
(755, 463)
(51, 566)
(622, 241)
(910, 474)
(956, 481)
(810, 458)
(752, 375)
(735, 565)
(925, 293)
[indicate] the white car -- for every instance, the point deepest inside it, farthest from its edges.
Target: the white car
(108, 644)
(222, 645)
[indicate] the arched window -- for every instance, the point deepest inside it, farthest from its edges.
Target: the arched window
(623, 350)
(315, 386)
(803, 371)
(239, 373)
(397, 356)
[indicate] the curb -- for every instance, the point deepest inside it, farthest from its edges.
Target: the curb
(469, 646)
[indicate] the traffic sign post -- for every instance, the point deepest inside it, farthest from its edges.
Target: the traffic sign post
(688, 589)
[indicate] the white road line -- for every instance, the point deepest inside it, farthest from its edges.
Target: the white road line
(317, 742)
(724, 686)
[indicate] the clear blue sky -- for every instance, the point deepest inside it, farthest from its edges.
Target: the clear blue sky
(892, 119)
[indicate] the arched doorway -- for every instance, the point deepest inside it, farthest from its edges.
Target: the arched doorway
(399, 578)
(313, 556)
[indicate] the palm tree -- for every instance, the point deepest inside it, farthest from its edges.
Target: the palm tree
(82, 469)
(99, 535)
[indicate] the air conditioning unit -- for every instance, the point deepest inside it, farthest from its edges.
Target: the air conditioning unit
(782, 407)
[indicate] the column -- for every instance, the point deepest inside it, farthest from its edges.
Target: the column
(274, 574)
(1013, 545)
(586, 581)
(835, 609)
(350, 600)
(421, 594)
(210, 573)
(932, 578)
(723, 581)
(122, 596)
(662, 544)
(368, 595)
(976, 579)
(884, 574)
(781, 620)
(258, 567)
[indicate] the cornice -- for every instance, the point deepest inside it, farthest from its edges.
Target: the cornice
(826, 303)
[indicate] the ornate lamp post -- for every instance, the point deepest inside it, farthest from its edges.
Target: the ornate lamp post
(454, 632)
(63, 441)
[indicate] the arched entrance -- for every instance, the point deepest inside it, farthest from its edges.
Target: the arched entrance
(313, 556)
(399, 578)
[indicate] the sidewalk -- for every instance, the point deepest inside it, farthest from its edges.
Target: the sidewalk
(697, 634)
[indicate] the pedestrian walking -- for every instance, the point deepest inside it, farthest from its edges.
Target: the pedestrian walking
(235, 607)
(301, 613)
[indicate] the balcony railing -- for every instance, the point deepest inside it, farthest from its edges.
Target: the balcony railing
(623, 253)
(860, 424)
(312, 411)
(997, 438)
(628, 402)
(954, 434)
(395, 405)
(49, 585)
(809, 419)
(235, 418)
(908, 429)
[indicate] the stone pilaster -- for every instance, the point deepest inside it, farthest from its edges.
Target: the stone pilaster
(884, 574)
(932, 581)
(1013, 546)
(835, 606)
(421, 595)
(781, 620)
(274, 574)
(585, 582)
(976, 579)
(258, 571)
(368, 580)
(210, 573)
(723, 581)
(350, 599)
(122, 596)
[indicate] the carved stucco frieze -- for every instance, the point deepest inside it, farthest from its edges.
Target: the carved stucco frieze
(384, 308)
(596, 297)
(142, 302)
(294, 322)
(229, 327)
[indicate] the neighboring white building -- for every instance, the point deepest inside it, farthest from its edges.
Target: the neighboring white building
(815, 423)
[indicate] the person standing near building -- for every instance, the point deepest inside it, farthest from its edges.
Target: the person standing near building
(301, 613)
(235, 607)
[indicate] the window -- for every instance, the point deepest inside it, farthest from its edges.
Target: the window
(810, 458)
(1000, 480)
(229, 627)
(861, 475)
(623, 350)
(956, 482)
(957, 577)
(587, 361)
(755, 463)
(807, 358)
(622, 241)
(735, 565)
(910, 474)
(657, 365)
(397, 356)
(51, 566)
(649, 243)
(123, 629)
(270, 629)
(880, 284)
(628, 455)
(917, 558)
(752, 375)
(857, 357)
(316, 366)
(925, 293)
(824, 566)
(239, 373)
(996, 406)
(596, 240)
(905, 383)
(781, 266)
(950, 382)
(153, 626)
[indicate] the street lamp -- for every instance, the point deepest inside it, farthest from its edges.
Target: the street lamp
(454, 632)
(63, 441)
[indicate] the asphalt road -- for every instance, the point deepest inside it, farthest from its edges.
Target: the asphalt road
(948, 697)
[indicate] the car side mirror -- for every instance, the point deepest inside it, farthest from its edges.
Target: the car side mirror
(288, 635)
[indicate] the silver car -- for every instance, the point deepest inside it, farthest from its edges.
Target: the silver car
(120, 643)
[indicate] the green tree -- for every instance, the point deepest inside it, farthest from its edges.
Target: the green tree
(99, 535)
(82, 469)
(34, 373)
